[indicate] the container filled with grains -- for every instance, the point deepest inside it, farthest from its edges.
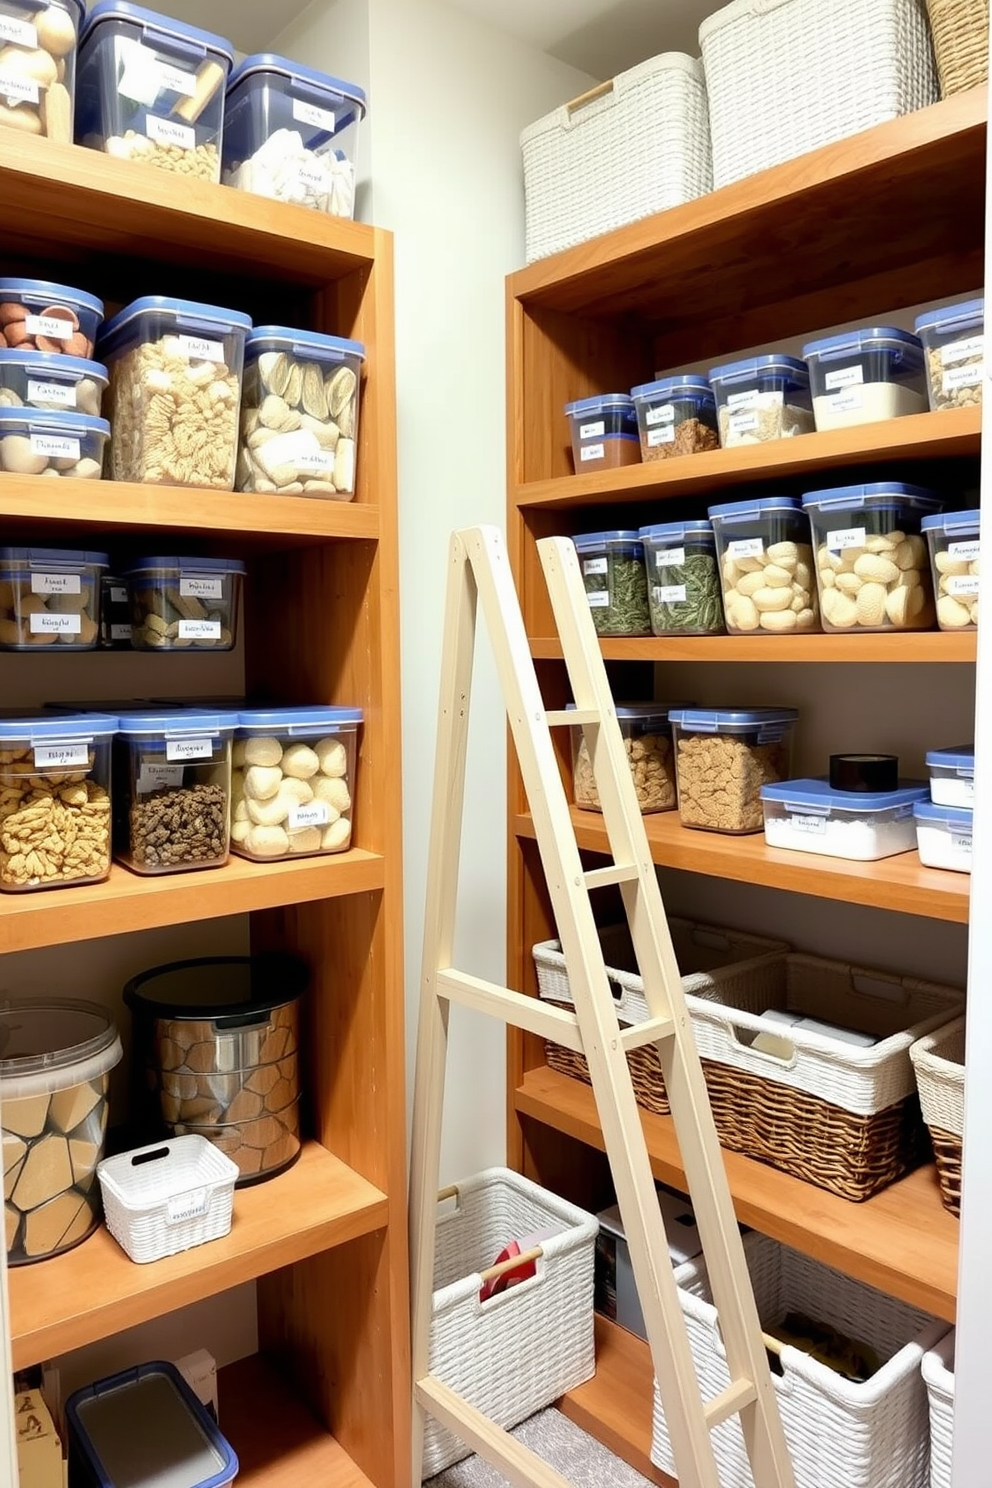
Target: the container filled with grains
(865, 376)
(723, 756)
(675, 416)
(762, 398)
(616, 585)
(683, 579)
(647, 738)
(766, 566)
(172, 775)
(954, 346)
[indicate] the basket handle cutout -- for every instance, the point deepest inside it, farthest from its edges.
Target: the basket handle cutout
(512, 1263)
(882, 989)
(600, 91)
(744, 1039)
(141, 1158)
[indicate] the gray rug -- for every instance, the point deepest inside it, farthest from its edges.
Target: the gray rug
(570, 1450)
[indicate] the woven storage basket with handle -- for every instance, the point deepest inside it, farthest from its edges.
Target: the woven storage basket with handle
(961, 42)
(708, 957)
(938, 1376)
(938, 1061)
(840, 1434)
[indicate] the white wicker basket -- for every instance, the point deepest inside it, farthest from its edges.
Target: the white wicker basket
(787, 76)
(938, 1061)
(938, 1376)
(634, 146)
(524, 1347)
(168, 1196)
(840, 1434)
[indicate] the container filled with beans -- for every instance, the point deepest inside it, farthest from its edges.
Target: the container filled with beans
(675, 416)
(766, 566)
(647, 738)
(50, 597)
(293, 784)
(954, 347)
(955, 540)
(173, 789)
(616, 585)
(723, 757)
(684, 592)
(762, 398)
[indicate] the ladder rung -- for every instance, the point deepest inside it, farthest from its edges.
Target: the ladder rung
(646, 1033)
(601, 878)
(517, 1463)
(566, 718)
(530, 1013)
(729, 1402)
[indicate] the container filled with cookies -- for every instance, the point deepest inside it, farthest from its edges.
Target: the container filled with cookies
(37, 315)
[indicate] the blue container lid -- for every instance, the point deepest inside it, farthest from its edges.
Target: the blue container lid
(966, 315)
(55, 294)
(211, 315)
(957, 757)
(961, 523)
(294, 720)
(729, 720)
(642, 711)
(54, 420)
(304, 343)
(54, 364)
(760, 506)
(890, 495)
(73, 557)
(601, 539)
(949, 816)
(44, 728)
(818, 793)
(193, 565)
(173, 722)
(76, 5)
(774, 364)
(124, 10)
(870, 338)
(691, 385)
(677, 532)
(262, 62)
(601, 403)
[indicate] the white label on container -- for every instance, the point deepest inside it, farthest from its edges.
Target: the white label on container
(159, 777)
(187, 1206)
(595, 566)
(747, 399)
(199, 630)
(846, 537)
(313, 814)
(744, 423)
(670, 594)
(961, 584)
(21, 33)
(118, 594)
(176, 79)
(845, 402)
(120, 632)
(189, 749)
(592, 452)
(960, 841)
(170, 132)
(57, 583)
(313, 175)
(309, 113)
(663, 415)
(960, 377)
(814, 825)
(61, 756)
(55, 327)
(46, 624)
(19, 89)
(55, 446)
(960, 351)
(746, 547)
(670, 558)
(661, 436)
(63, 395)
(200, 588)
(199, 349)
(599, 599)
(317, 462)
(966, 551)
(593, 431)
(843, 377)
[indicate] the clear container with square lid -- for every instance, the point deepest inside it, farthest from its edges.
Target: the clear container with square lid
(604, 432)
(723, 756)
(293, 786)
(943, 836)
(952, 776)
(172, 789)
(647, 737)
(50, 381)
(34, 442)
(761, 398)
(49, 597)
(37, 315)
(766, 566)
(151, 89)
(184, 603)
(862, 826)
(612, 565)
(675, 416)
(683, 578)
(291, 133)
(954, 345)
(954, 540)
(38, 41)
(863, 376)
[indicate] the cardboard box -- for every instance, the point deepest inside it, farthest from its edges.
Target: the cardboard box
(40, 1463)
(616, 1292)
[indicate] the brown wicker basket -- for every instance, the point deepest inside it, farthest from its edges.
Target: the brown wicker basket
(939, 1064)
(960, 42)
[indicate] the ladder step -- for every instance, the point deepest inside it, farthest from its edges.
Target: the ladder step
(602, 878)
(572, 716)
(729, 1402)
(518, 1464)
(511, 1007)
(650, 1032)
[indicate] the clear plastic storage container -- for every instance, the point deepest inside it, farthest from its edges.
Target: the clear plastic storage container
(647, 738)
(50, 381)
(115, 614)
(55, 793)
(860, 377)
(38, 41)
(33, 442)
(37, 315)
(50, 596)
(952, 776)
(954, 539)
(871, 561)
(943, 836)
(761, 398)
(293, 785)
(954, 346)
(766, 566)
(291, 133)
(299, 414)
(184, 603)
(175, 389)
(723, 756)
(612, 565)
(675, 416)
(863, 826)
(684, 592)
(172, 780)
(54, 1088)
(152, 89)
(604, 432)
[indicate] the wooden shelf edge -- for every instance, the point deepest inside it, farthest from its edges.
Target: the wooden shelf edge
(904, 647)
(615, 1406)
(902, 1241)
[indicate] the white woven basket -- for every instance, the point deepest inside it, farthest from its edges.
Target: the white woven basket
(524, 1347)
(787, 76)
(840, 1434)
(938, 1376)
(634, 146)
(167, 1197)
(938, 1061)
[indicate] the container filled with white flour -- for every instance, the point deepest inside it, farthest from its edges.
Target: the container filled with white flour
(952, 776)
(810, 816)
(943, 836)
(864, 376)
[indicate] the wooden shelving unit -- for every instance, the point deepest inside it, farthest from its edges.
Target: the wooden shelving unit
(807, 245)
(328, 1398)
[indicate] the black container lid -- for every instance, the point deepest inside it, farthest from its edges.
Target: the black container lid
(864, 773)
(234, 989)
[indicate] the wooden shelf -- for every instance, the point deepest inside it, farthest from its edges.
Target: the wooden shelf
(899, 647)
(950, 433)
(902, 1241)
(615, 1405)
(900, 883)
(128, 901)
(94, 1290)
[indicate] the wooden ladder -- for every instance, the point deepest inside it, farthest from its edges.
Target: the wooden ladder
(479, 569)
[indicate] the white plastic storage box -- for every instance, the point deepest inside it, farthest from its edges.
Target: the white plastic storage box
(50, 596)
(54, 1087)
(943, 836)
(38, 66)
(766, 61)
(809, 816)
(603, 430)
(864, 376)
(684, 593)
(761, 398)
(168, 1196)
(612, 565)
(525, 1346)
(175, 388)
(954, 344)
(675, 416)
(291, 134)
(33, 442)
(938, 1376)
(37, 315)
(184, 603)
(636, 145)
(766, 566)
(299, 414)
(48, 380)
(841, 1432)
(293, 784)
(952, 776)
(152, 89)
(723, 756)
(616, 1289)
(954, 539)
(172, 778)
(938, 1061)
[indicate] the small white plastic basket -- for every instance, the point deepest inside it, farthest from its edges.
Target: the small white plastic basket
(523, 1348)
(938, 1376)
(168, 1197)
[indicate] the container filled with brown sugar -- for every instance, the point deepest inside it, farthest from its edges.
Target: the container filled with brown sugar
(675, 416)
(723, 756)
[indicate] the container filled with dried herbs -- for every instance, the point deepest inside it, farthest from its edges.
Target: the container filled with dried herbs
(675, 416)
(684, 595)
(616, 584)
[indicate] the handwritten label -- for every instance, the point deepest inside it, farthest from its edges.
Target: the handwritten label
(670, 594)
(199, 630)
(746, 399)
(846, 402)
(593, 431)
(189, 749)
(313, 814)
(118, 594)
(170, 132)
(55, 447)
(176, 79)
(187, 1206)
(56, 583)
(194, 587)
(200, 349)
(746, 547)
(312, 175)
(961, 377)
(961, 351)
(317, 462)
(967, 551)
(661, 436)
(61, 756)
(158, 777)
(592, 452)
(55, 327)
(120, 632)
(595, 565)
(62, 395)
(19, 89)
(846, 537)
(961, 842)
(670, 558)
(46, 624)
(665, 414)
(21, 33)
(816, 825)
(843, 377)
(309, 113)
(962, 584)
(743, 422)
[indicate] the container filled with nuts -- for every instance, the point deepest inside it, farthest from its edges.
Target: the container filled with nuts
(872, 565)
(36, 315)
(184, 603)
(49, 597)
(299, 414)
(616, 585)
(52, 382)
(63, 444)
(955, 539)
(683, 579)
(604, 432)
(291, 134)
(675, 416)
(762, 398)
(172, 771)
(38, 40)
(152, 89)
(954, 346)
(54, 800)
(723, 757)
(293, 784)
(175, 388)
(863, 376)
(647, 738)
(766, 566)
